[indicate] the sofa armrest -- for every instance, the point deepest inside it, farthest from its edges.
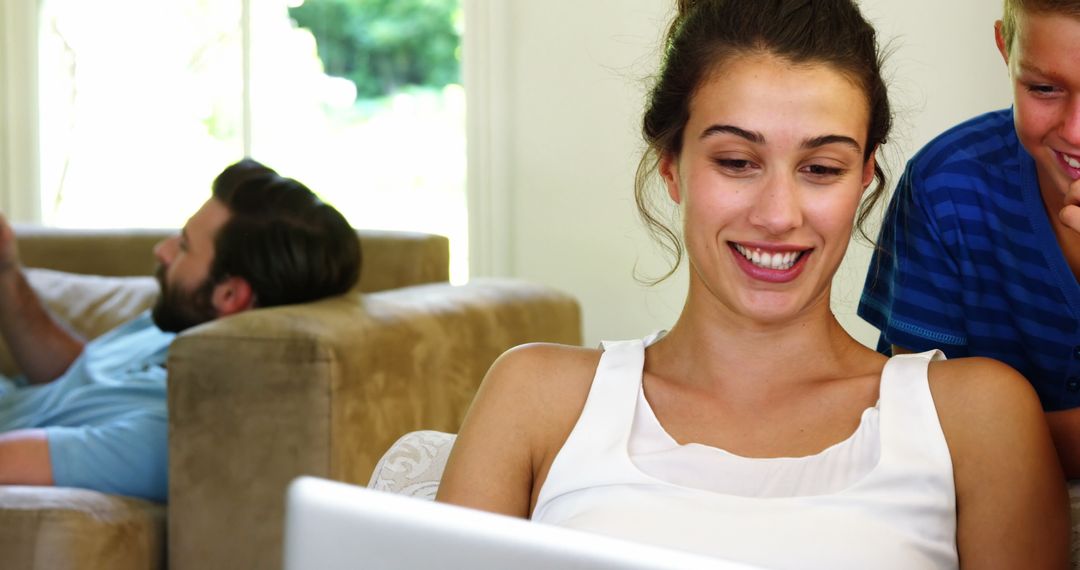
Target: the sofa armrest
(324, 389)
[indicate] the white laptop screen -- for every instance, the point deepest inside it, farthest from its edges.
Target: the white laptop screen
(332, 526)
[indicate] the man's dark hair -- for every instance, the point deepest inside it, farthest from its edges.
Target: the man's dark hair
(280, 237)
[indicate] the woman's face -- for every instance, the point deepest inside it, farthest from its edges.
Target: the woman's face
(769, 179)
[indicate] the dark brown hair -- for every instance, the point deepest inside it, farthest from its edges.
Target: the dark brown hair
(708, 33)
(287, 243)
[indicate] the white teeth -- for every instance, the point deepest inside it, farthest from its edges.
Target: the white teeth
(765, 260)
(1070, 160)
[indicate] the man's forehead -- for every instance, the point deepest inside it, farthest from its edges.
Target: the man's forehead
(205, 222)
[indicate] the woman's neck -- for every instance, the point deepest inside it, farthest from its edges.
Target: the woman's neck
(716, 349)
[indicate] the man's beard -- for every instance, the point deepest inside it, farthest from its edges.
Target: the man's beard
(177, 309)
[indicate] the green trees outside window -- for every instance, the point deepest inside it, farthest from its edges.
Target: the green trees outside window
(383, 46)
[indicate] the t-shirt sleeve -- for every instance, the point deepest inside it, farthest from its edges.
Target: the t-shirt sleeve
(128, 456)
(913, 289)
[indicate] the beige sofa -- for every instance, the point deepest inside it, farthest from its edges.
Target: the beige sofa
(259, 398)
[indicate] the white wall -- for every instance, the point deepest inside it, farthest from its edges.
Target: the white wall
(569, 98)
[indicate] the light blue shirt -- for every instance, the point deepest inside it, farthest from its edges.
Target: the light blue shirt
(105, 417)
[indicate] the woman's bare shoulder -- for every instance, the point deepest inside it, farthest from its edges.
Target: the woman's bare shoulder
(531, 396)
(1008, 478)
(991, 417)
(545, 356)
(548, 376)
(976, 387)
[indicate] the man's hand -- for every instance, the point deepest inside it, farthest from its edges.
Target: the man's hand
(9, 253)
(1070, 214)
(43, 349)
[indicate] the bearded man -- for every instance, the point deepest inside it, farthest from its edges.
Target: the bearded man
(93, 415)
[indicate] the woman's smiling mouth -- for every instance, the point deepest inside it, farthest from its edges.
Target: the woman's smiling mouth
(778, 265)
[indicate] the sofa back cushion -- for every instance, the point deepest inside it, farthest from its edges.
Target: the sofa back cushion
(391, 259)
(88, 304)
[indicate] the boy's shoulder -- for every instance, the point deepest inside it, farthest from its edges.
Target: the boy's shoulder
(985, 138)
(976, 159)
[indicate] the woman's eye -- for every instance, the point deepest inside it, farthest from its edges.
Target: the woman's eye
(822, 170)
(733, 163)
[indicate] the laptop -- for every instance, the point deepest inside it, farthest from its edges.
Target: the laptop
(335, 526)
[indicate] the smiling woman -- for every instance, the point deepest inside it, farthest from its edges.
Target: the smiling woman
(768, 178)
(757, 429)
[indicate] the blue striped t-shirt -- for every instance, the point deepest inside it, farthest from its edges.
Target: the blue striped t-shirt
(967, 261)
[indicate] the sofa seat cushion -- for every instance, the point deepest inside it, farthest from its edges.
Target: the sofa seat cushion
(58, 527)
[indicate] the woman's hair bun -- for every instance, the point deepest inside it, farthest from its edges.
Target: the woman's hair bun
(684, 7)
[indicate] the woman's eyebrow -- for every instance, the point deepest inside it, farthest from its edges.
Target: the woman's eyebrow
(821, 141)
(758, 138)
(751, 136)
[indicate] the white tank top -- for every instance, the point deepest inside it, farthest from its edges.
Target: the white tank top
(883, 498)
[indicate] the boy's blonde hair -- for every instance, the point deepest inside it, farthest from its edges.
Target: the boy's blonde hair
(1013, 9)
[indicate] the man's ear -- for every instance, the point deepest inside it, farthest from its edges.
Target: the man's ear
(233, 295)
(669, 171)
(1000, 41)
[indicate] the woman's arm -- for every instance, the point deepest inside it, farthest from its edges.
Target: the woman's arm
(524, 411)
(1011, 502)
(1065, 428)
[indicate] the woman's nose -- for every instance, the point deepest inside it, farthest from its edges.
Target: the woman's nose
(777, 209)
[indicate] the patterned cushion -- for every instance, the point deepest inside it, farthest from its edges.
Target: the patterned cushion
(414, 464)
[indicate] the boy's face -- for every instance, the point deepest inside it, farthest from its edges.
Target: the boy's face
(1044, 65)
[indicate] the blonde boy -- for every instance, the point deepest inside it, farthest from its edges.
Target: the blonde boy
(980, 251)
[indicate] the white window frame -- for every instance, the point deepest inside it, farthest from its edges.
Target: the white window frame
(486, 47)
(19, 143)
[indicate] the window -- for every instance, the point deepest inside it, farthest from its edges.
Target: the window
(143, 103)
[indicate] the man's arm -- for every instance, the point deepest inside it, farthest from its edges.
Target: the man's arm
(42, 348)
(24, 458)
